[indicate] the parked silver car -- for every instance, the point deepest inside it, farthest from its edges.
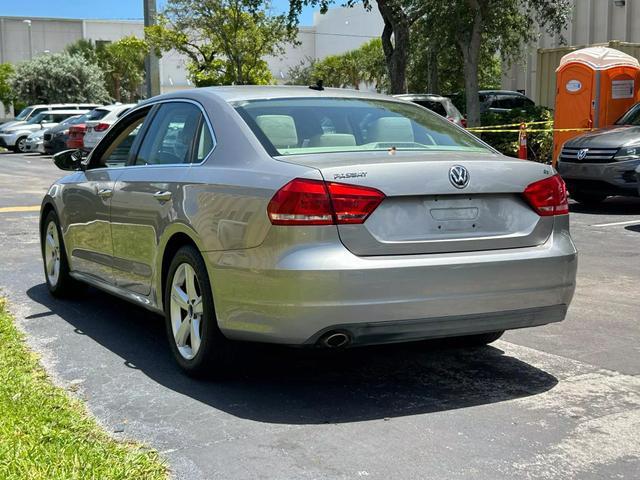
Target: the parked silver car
(15, 137)
(314, 218)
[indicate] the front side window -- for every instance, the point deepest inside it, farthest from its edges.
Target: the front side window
(632, 117)
(173, 136)
(295, 126)
(116, 147)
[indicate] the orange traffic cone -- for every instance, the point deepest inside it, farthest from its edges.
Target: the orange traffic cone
(522, 141)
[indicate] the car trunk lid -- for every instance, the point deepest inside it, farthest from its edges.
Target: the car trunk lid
(423, 211)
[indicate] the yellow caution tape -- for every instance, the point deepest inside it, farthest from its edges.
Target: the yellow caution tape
(512, 125)
(472, 130)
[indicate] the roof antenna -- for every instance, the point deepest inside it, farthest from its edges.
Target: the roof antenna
(318, 86)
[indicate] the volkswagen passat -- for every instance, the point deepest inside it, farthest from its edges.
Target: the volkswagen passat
(311, 218)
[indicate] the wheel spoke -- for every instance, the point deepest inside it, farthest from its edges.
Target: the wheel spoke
(195, 335)
(51, 241)
(197, 306)
(51, 265)
(190, 280)
(183, 332)
(180, 297)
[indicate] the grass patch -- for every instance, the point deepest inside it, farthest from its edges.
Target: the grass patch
(46, 434)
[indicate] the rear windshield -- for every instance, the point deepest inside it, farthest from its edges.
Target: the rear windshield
(433, 106)
(96, 114)
(296, 126)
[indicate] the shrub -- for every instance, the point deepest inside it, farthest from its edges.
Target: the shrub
(539, 144)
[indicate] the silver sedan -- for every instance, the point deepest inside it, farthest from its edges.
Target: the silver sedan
(324, 218)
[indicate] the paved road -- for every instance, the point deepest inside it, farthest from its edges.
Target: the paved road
(556, 402)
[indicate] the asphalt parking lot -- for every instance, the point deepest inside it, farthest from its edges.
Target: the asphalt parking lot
(556, 402)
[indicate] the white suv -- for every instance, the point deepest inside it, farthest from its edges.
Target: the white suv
(96, 129)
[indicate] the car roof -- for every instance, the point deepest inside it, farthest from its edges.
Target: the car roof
(422, 96)
(502, 92)
(64, 112)
(114, 107)
(258, 92)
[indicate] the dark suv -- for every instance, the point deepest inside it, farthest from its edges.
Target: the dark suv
(603, 163)
(500, 101)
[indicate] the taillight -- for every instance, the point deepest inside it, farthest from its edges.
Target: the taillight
(463, 122)
(101, 127)
(314, 202)
(548, 196)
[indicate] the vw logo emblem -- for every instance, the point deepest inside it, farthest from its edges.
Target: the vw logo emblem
(458, 176)
(582, 153)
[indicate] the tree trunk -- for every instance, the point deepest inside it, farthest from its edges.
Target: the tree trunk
(116, 89)
(396, 52)
(434, 78)
(470, 46)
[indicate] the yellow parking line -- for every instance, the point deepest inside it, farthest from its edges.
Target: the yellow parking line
(30, 208)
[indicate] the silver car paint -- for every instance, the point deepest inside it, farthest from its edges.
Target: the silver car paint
(285, 284)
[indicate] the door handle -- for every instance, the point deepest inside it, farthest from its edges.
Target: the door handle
(162, 196)
(105, 193)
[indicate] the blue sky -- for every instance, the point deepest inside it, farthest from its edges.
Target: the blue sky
(120, 9)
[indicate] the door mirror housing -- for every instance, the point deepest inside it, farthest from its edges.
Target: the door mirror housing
(69, 160)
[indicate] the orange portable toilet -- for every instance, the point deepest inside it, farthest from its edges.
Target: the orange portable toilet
(595, 86)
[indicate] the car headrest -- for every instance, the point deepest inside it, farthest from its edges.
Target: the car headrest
(391, 129)
(333, 140)
(279, 129)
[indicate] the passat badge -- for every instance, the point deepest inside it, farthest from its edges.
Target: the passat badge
(458, 176)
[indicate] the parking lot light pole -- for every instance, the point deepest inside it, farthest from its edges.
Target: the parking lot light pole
(28, 23)
(151, 61)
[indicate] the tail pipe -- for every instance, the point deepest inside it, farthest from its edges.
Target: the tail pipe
(335, 340)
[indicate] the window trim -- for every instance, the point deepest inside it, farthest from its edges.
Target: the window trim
(156, 106)
(153, 108)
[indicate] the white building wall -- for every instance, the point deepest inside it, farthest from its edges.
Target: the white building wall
(339, 30)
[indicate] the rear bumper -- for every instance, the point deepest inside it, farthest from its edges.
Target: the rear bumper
(287, 292)
(615, 178)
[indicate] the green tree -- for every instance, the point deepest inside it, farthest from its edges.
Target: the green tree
(364, 65)
(398, 16)
(6, 92)
(123, 65)
(481, 27)
(302, 73)
(225, 40)
(59, 78)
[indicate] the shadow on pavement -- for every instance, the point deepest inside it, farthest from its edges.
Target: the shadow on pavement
(295, 386)
(611, 206)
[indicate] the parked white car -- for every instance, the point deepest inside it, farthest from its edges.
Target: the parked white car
(96, 129)
(15, 137)
(35, 142)
(31, 111)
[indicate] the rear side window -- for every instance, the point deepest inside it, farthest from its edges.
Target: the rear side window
(298, 126)
(174, 136)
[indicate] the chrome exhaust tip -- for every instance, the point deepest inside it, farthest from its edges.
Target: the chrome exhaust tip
(335, 340)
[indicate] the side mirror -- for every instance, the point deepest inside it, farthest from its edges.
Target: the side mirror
(69, 160)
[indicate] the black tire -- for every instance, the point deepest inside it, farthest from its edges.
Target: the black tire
(63, 285)
(479, 340)
(213, 356)
(21, 146)
(588, 199)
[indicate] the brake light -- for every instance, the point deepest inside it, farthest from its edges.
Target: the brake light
(314, 202)
(463, 122)
(548, 196)
(101, 127)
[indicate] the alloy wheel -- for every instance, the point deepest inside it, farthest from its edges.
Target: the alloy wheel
(52, 254)
(186, 309)
(22, 145)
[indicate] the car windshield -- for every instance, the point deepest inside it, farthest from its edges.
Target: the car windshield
(71, 120)
(24, 113)
(296, 126)
(38, 118)
(632, 117)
